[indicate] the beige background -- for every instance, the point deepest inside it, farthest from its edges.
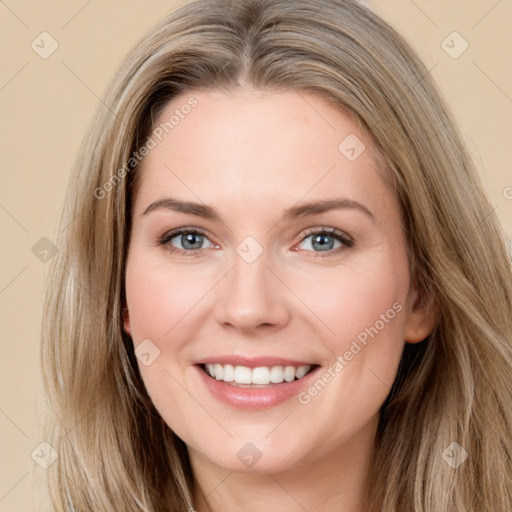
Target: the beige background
(46, 104)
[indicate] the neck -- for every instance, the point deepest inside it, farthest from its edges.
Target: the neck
(332, 482)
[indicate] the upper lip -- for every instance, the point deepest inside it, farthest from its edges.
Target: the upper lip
(253, 362)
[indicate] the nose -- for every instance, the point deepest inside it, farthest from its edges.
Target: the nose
(252, 298)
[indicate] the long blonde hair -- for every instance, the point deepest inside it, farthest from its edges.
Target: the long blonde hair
(115, 453)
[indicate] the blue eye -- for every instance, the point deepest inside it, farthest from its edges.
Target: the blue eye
(185, 240)
(188, 241)
(325, 240)
(191, 241)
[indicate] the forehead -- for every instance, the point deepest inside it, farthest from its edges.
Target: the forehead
(258, 148)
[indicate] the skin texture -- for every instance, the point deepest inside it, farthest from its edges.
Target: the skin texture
(251, 155)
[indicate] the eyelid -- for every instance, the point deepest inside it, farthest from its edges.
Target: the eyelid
(180, 231)
(325, 229)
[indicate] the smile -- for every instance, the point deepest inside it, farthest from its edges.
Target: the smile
(245, 376)
(254, 384)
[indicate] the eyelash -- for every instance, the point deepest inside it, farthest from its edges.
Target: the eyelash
(346, 241)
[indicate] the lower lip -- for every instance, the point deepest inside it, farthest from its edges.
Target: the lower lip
(254, 398)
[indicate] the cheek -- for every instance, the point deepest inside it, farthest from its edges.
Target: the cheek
(364, 307)
(354, 299)
(158, 298)
(160, 303)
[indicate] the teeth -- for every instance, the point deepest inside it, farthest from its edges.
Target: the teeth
(261, 375)
(301, 371)
(289, 373)
(276, 374)
(210, 369)
(229, 373)
(242, 375)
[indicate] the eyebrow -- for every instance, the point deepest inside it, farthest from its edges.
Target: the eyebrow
(294, 212)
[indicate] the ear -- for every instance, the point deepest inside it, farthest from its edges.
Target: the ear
(421, 316)
(126, 320)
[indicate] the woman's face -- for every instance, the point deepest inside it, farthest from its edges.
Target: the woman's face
(293, 260)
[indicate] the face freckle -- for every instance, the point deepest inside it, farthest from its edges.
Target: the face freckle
(298, 257)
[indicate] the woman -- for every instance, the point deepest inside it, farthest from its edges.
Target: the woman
(280, 284)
